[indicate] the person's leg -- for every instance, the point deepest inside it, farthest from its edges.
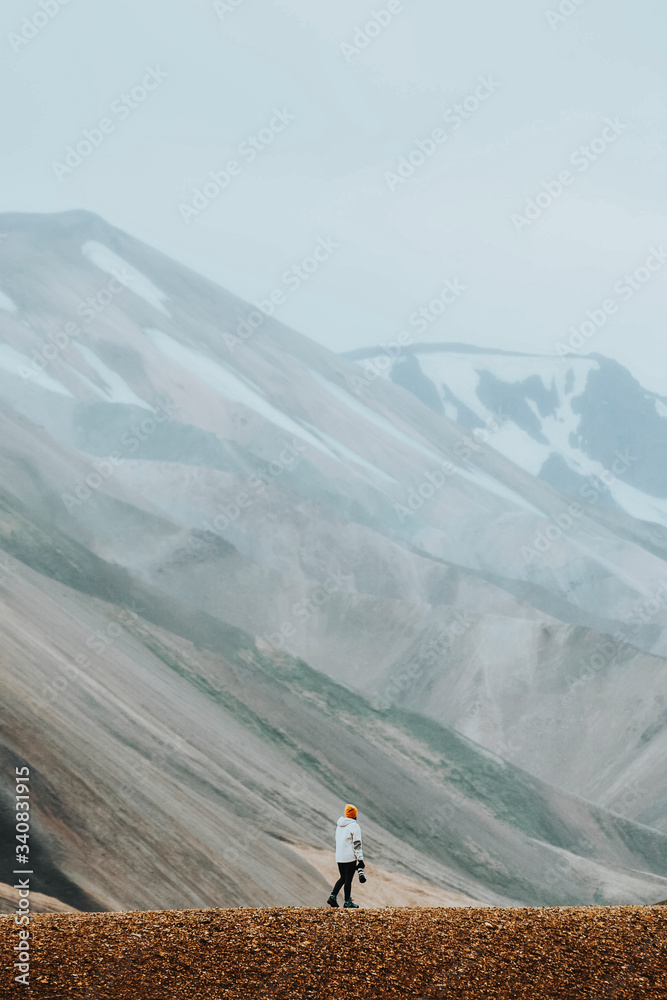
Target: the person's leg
(350, 868)
(341, 881)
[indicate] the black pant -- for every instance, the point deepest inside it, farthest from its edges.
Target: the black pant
(347, 870)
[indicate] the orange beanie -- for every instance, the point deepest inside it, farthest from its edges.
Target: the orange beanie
(351, 812)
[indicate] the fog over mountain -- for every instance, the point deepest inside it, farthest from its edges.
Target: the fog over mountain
(520, 94)
(246, 577)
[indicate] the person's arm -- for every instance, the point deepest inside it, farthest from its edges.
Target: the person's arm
(356, 844)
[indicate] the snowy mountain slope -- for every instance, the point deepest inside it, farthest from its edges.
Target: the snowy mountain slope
(259, 395)
(582, 423)
(240, 471)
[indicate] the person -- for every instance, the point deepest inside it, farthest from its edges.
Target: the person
(349, 856)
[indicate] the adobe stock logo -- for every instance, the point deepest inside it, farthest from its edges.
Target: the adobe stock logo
(365, 33)
(31, 26)
(248, 150)
(591, 491)
(293, 278)
(565, 9)
(121, 107)
(582, 158)
(625, 288)
(426, 147)
(222, 7)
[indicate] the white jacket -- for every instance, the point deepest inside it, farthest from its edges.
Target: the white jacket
(348, 840)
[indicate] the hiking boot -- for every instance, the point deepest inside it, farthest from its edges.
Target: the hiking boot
(332, 900)
(349, 905)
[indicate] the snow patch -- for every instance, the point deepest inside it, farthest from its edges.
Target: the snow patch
(229, 385)
(108, 261)
(460, 373)
(369, 414)
(117, 390)
(8, 304)
(492, 485)
(18, 364)
(234, 387)
(456, 373)
(522, 449)
(639, 504)
(342, 451)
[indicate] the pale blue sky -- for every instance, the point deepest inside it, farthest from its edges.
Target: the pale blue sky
(325, 173)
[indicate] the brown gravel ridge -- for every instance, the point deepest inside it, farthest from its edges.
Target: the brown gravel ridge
(569, 953)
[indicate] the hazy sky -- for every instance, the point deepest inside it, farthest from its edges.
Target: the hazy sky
(325, 167)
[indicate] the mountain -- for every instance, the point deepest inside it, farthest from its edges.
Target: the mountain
(582, 423)
(240, 587)
(170, 770)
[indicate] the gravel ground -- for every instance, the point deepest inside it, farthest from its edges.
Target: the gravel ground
(477, 952)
